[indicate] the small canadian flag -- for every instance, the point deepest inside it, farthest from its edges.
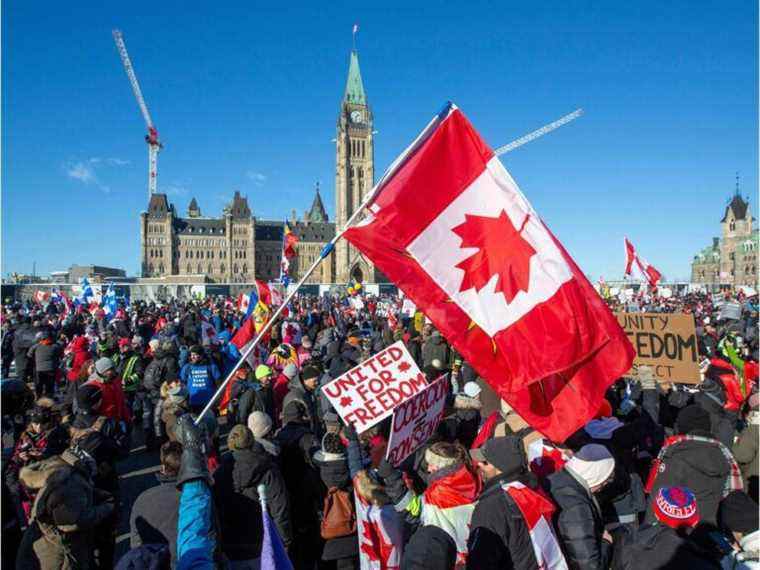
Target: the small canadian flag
(450, 227)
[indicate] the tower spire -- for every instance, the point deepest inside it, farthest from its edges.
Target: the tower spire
(354, 86)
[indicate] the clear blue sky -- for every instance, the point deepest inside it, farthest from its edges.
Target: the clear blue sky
(246, 98)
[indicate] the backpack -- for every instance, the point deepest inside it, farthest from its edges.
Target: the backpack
(338, 516)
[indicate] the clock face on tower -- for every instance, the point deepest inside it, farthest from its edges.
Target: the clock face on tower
(356, 116)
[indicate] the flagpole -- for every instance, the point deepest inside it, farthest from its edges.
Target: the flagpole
(327, 250)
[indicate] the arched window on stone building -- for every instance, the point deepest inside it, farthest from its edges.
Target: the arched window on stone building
(189, 269)
(150, 268)
(222, 268)
(234, 269)
(200, 269)
(210, 269)
(245, 269)
(161, 268)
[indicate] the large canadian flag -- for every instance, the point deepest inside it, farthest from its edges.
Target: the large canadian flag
(451, 228)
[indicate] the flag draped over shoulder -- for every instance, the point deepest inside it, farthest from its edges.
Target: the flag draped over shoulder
(451, 228)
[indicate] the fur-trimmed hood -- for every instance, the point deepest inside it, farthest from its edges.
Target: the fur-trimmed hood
(36, 475)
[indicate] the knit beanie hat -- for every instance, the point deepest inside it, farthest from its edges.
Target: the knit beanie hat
(240, 438)
(676, 507)
(290, 370)
(309, 372)
(593, 463)
(262, 370)
(738, 513)
(103, 365)
(89, 398)
(692, 418)
(260, 424)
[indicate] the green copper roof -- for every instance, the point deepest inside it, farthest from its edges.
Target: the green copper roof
(354, 86)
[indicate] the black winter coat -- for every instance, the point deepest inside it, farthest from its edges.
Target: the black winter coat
(297, 445)
(255, 400)
(499, 537)
(154, 516)
(163, 367)
(334, 473)
(237, 498)
(579, 523)
(658, 547)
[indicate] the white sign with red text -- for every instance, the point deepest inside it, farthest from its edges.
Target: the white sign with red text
(369, 392)
(416, 419)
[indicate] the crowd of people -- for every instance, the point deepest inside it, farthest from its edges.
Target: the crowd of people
(664, 475)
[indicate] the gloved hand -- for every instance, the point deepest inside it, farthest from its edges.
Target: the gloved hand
(350, 432)
(193, 464)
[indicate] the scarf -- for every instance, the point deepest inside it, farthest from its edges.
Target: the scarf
(734, 480)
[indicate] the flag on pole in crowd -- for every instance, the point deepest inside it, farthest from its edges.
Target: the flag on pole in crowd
(41, 297)
(86, 295)
(634, 263)
(289, 241)
(258, 310)
(273, 554)
(109, 302)
(450, 227)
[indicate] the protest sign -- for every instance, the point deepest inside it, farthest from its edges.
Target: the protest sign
(408, 308)
(416, 419)
(368, 393)
(730, 311)
(665, 342)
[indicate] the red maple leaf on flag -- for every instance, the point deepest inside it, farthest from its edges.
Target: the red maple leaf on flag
(502, 251)
(345, 401)
(377, 549)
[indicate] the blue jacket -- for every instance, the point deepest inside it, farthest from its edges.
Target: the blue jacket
(200, 381)
(195, 534)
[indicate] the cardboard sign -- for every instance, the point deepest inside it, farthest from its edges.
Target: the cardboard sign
(416, 419)
(730, 311)
(665, 342)
(368, 393)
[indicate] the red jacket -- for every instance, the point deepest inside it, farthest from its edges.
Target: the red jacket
(81, 349)
(114, 404)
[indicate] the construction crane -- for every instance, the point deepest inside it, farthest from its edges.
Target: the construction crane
(154, 145)
(538, 132)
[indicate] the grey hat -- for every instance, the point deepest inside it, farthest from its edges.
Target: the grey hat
(290, 370)
(103, 365)
(260, 424)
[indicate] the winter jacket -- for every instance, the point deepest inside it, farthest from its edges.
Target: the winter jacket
(65, 514)
(745, 452)
(114, 404)
(655, 546)
(462, 425)
(237, 497)
(102, 438)
(299, 396)
(200, 380)
(333, 470)
(196, 533)
(252, 398)
(131, 370)
(154, 515)
(698, 465)
(46, 355)
(579, 522)
(81, 350)
(163, 367)
(297, 446)
(499, 536)
(435, 348)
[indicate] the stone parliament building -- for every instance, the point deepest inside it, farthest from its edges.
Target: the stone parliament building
(731, 259)
(238, 247)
